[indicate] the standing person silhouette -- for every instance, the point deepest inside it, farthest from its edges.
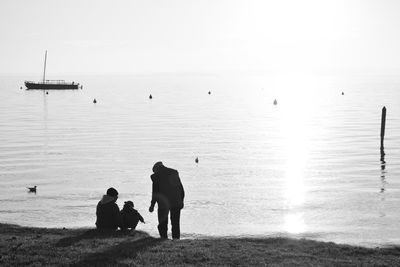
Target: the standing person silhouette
(168, 192)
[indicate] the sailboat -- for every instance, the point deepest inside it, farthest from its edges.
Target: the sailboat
(51, 84)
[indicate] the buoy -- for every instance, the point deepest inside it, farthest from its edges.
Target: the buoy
(32, 189)
(342, 93)
(209, 92)
(94, 101)
(20, 88)
(150, 96)
(47, 93)
(275, 102)
(196, 160)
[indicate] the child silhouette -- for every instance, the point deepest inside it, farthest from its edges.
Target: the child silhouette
(130, 216)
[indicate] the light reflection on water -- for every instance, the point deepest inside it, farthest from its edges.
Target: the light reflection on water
(294, 223)
(309, 166)
(295, 137)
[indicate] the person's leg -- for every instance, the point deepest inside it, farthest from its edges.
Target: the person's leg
(163, 222)
(175, 217)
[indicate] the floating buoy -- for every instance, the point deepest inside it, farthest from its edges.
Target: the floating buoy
(209, 92)
(196, 160)
(275, 102)
(150, 96)
(94, 101)
(342, 93)
(47, 93)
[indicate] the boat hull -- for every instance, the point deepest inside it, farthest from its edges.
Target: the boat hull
(51, 86)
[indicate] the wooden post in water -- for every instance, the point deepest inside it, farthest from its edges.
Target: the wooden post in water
(383, 125)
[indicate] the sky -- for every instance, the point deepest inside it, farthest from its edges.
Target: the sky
(205, 36)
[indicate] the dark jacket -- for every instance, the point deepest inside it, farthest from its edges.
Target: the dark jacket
(168, 191)
(131, 217)
(108, 215)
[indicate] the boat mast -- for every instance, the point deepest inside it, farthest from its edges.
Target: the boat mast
(44, 72)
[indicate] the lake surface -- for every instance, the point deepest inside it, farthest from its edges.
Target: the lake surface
(309, 166)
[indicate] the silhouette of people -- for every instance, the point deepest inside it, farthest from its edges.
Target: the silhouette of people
(168, 192)
(107, 211)
(130, 216)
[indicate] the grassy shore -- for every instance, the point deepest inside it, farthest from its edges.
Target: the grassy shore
(88, 247)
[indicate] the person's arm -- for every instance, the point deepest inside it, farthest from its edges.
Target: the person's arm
(183, 194)
(182, 191)
(97, 215)
(123, 221)
(154, 194)
(118, 217)
(140, 217)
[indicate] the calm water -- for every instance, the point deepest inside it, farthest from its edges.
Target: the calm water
(307, 167)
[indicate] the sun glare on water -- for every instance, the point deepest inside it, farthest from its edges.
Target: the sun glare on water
(295, 113)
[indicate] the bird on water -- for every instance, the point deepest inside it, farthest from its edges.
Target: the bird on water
(32, 189)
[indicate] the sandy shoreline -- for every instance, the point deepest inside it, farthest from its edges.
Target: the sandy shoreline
(88, 247)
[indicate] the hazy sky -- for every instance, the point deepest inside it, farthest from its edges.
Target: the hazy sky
(131, 36)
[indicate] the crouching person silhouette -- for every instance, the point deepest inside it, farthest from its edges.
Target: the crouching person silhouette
(130, 216)
(169, 194)
(107, 211)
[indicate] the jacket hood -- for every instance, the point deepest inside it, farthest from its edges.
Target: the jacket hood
(106, 199)
(126, 208)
